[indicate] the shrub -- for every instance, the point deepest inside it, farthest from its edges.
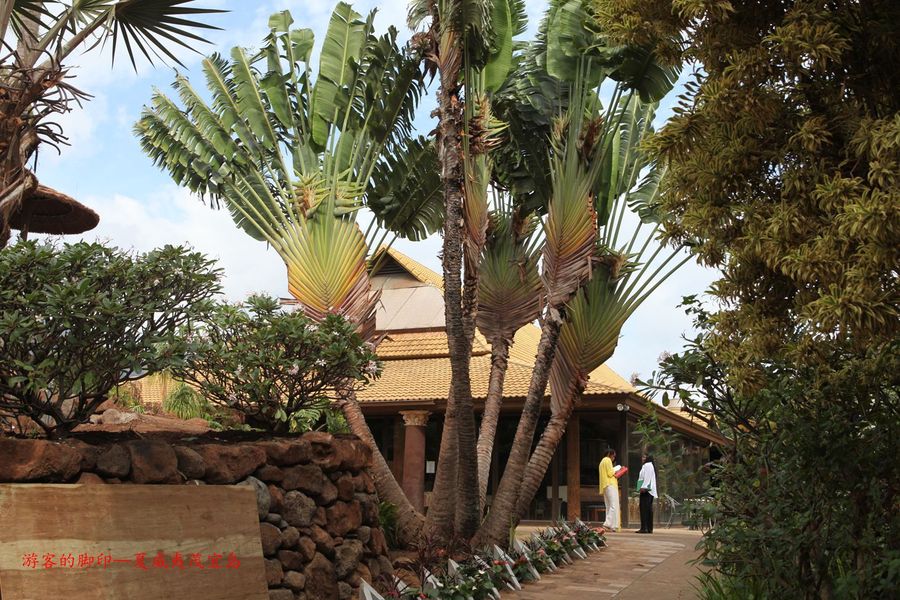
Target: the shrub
(387, 518)
(80, 319)
(185, 403)
(279, 369)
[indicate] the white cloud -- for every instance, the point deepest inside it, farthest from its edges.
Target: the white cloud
(174, 216)
(81, 127)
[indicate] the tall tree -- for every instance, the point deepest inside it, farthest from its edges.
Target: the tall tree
(783, 162)
(471, 51)
(36, 38)
(294, 160)
(594, 164)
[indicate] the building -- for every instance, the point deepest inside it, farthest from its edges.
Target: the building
(405, 407)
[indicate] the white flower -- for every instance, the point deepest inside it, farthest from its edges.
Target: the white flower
(294, 370)
(312, 328)
(239, 369)
(232, 399)
(371, 367)
(320, 362)
(635, 378)
(664, 357)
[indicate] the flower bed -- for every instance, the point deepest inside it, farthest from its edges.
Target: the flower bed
(484, 573)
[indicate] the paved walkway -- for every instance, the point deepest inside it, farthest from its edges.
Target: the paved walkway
(631, 567)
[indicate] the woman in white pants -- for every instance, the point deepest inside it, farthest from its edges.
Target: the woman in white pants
(609, 487)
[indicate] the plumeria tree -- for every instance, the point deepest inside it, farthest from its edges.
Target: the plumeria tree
(274, 367)
(80, 319)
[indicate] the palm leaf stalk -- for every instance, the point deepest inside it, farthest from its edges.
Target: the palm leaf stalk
(36, 37)
(295, 161)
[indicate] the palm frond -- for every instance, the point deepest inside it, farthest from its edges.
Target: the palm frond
(327, 272)
(341, 50)
(406, 195)
(151, 26)
(510, 290)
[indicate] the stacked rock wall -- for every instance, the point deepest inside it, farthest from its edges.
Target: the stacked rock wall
(317, 506)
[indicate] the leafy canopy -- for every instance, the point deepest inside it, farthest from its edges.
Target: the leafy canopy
(276, 368)
(77, 320)
(784, 165)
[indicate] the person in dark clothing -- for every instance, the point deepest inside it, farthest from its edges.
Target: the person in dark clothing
(648, 491)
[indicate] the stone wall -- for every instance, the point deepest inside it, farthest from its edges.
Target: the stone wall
(317, 506)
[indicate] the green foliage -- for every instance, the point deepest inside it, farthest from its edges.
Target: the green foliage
(279, 369)
(127, 397)
(387, 519)
(78, 320)
(277, 145)
(783, 159)
(808, 486)
(185, 403)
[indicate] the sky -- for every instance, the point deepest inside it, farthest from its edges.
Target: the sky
(141, 208)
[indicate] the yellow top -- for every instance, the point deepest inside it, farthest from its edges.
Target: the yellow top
(607, 474)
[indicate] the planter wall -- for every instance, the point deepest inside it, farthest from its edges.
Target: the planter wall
(317, 506)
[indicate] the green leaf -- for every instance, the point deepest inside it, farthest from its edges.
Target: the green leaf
(280, 22)
(302, 41)
(338, 62)
(500, 59)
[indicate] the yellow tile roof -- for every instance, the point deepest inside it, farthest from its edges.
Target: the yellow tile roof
(428, 379)
(416, 367)
(417, 269)
(425, 344)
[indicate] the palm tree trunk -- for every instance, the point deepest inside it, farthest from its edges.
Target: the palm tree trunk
(410, 523)
(492, 405)
(546, 448)
(442, 507)
(468, 508)
(450, 114)
(502, 516)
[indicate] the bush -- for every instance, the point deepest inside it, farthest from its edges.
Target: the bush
(78, 320)
(185, 403)
(387, 519)
(279, 369)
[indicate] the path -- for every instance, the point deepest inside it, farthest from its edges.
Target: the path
(632, 567)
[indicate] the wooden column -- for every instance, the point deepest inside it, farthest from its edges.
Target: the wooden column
(573, 468)
(414, 457)
(554, 486)
(397, 460)
(625, 480)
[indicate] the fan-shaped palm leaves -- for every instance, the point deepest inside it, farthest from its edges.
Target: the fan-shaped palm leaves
(36, 37)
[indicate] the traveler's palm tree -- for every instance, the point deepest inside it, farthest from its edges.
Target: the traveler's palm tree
(594, 162)
(294, 159)
(471, 51)
(510, 296)
(36, 38)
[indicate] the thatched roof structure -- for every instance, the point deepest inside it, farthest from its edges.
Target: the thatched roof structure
(50, 211)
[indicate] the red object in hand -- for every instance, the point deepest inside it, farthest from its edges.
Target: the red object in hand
(621, 472)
